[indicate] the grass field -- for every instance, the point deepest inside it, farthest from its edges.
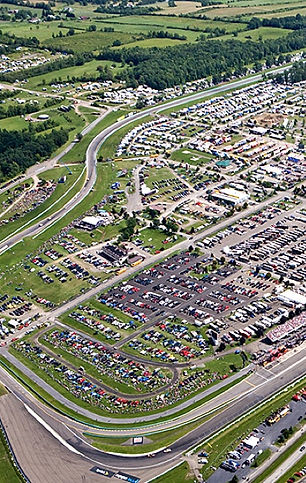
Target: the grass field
(89, 41)
(63, 75)
(154, 239)
(7, 472)
(141, 28)
(161, 439)
(169, 23)
(60, 190)
(146, 43)
(24, 29)
(263, 33)
(78, 152)
(180, 474)
(249, 9)
(191, 156)
(2, 390)
(181, 7)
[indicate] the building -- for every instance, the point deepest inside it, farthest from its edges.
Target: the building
(92, 222)
(230, 196)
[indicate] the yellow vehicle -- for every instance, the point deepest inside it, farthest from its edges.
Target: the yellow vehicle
(118, 159)
(136, 263)
(121, 270)
(154, 155)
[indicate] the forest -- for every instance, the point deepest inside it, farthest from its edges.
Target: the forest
(161, 68)
(21, 149)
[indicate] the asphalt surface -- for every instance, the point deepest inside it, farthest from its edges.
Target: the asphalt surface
(262, 381)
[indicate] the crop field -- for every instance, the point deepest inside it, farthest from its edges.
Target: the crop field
(147, 43)
(181, 7)
(158, 23)
(89, 41)
(292, 12)
(140, 28)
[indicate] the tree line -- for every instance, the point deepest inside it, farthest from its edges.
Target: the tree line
(297, 73)
(162, 68)
(296, 22)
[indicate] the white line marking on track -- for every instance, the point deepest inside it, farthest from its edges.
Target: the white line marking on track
(51, 430)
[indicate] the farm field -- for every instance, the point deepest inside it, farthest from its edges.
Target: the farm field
(147, 43)
(175, 23)
(249, 10)
(89, 41)
(263, 33)
(181, 7)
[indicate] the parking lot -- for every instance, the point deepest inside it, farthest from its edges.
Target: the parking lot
(267, 436)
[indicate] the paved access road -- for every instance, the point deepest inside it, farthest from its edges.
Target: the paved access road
(94, 146)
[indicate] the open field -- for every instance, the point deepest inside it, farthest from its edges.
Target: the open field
(63, 75)
(181, 7)
(182, 23)
(262, 33)
(249, 10)
(89, 41)
(180, 474)
(60, 190)
(7, 472)
(146, 43)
